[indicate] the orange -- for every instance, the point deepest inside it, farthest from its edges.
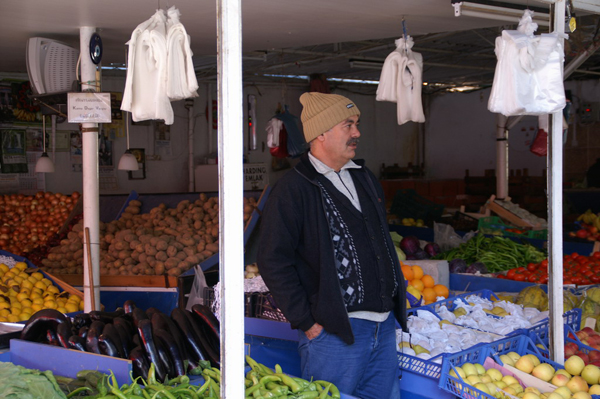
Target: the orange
(429, 295)
(407, 271)
(441, 290)
(428, 281)
(418, 284)
(417, 271)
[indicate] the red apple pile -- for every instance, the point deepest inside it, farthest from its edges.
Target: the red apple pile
(589, 337)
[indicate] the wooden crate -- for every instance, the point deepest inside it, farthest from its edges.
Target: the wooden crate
(124, 281)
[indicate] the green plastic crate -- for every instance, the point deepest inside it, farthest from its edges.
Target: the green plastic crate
(494, 225)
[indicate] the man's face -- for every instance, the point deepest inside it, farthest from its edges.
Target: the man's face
(341, 141)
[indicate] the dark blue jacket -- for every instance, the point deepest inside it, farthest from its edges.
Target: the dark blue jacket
(296, 256)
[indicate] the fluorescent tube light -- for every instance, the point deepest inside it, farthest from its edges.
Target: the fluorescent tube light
(366, 64)
(498, 13)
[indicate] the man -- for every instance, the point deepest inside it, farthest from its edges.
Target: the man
(328, 259)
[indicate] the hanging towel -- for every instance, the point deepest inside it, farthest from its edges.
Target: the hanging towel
(401, 81)
(529, 77)
(145, 94)
(181, 77)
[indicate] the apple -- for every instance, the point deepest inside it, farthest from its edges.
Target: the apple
(530, 395)
(495, 374)
(591, 374)
(505, 359)
(533, 389)
(581, 334)
(517, 387)
(534, 359)
(479, 368)
(525, 364)
(500, 384)
(563, 372)
(577, 384)
(589, 331)
(514, 356)
(574, 364)
(483, 388)
(460, 372)
(559, 380)
(510, 391)
(473, 379)
(485, 378)
(469, 369)
(563, 391)
(594, 390)
(509, 379)
(584, 356)
(570, 349)
(594, 355)
(543, 371)
(554, 395)
(581, 395)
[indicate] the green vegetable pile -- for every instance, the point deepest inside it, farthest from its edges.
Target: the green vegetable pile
(497, 253)
(262, 382)
(21, 383)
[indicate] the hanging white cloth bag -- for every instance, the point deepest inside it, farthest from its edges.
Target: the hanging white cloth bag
(181, 77)
(401, 81)
(529, 76)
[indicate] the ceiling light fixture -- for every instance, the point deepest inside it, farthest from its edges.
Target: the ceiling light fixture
(498, 13)
(44, 164)
(128, 160)
(362, 64)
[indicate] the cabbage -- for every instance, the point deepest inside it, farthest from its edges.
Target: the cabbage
(476, 267)
(20, 382)
(432, 249)
(457, 266)
(410, 245)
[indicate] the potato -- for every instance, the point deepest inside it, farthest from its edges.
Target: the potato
(174, 272)
(135, 202)
(159, 268)
(161, 256)
(171, 263)
(214, 248)
(181, 255)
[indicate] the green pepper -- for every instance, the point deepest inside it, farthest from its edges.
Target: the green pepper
(325, 392)
(290, 382)
(78, 391)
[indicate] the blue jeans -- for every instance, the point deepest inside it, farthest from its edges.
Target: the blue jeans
(366, 369)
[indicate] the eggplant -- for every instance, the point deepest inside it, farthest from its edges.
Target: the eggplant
(126, 324)
(139, 362)
(195, 350)
(52, 338)
(145, 331)
(98, 326)
(63, 332)
(210, 348)
(40, 322)
(106, 317)
(128, 306)
(138, 314)
(110, 331)
(164, 355)
(125, 339)
(77, 343)
(167, 342)
(83, 332)
(162, 321)
(91, 341)
(150, 312)
(81, 320)
(107, 346)
(208, 317)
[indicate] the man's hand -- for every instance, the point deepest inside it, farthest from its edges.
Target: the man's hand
(314, 331)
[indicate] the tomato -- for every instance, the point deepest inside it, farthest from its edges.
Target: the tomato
(582, 233)
(533, 278)
(501, 276)
(511, 273)
(595, 279)
(519, 277)
(596, 255)
(532, 267)
(543, 279)
(544, 263)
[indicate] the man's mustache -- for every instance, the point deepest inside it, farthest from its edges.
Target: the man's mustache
(352, 141)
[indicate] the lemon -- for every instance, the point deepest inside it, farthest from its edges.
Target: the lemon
(18, 279)
(24, 316)
(22, 295)
(40, 284)
(71, 307)
(4, 312)
(4, 268)
(38, 300)
(81, 306)
(27, 283)
(46, 281)
(62, 309)
(20, 266)
(4, 305)
(54, 289)
(74, 298)
(3, 319)
(37, 276)
(12, 318)
(26, 302)
(36, 307)
(50, 304)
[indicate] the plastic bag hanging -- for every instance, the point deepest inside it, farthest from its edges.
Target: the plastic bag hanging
(181, 77)
(529, 77)
(401, 81)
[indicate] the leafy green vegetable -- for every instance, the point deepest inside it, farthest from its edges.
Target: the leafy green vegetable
(22, 383)
(497, 253)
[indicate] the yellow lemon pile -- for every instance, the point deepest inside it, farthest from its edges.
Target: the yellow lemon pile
(22, 294)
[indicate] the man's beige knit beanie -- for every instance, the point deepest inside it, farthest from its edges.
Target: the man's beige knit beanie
(321, 112)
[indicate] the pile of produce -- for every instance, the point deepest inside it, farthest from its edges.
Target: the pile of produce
(577, 269)
(576, 380)
(24, 292)
(411, 247)
(421, 288)
(586, 336)
(495, 253)
(184, 342)
(163, 241)
(589, 226)
(28, 222)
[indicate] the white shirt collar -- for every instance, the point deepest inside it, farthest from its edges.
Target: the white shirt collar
(324, 169)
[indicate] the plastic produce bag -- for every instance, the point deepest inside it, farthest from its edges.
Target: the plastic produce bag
(529, 77)
(198, 288)
(447, 238)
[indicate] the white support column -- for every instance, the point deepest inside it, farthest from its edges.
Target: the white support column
(231, 228)
(189, 105)
(501, 157)
(555, 217)
(91, 190)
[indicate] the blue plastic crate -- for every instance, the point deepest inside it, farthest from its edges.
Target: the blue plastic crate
(544, 340)
(521, 344)
(572, 319)
(450, 302)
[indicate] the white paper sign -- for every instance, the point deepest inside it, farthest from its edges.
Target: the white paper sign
(256, 176)
(89, 107)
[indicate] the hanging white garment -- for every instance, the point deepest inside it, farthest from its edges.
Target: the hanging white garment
(401, 81)
(181, 77)
(529, 76)
(273, 128)
(145, 94)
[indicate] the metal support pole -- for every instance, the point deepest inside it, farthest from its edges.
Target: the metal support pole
(231, 228)
(91, 188)
(501, 157)
(555, 217)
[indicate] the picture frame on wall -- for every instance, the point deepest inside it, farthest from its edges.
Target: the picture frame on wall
(140, 155)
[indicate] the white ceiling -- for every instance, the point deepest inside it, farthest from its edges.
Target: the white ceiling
(294, 36)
